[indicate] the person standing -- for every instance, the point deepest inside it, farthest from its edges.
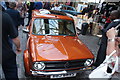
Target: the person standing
(57, 7)
(22, 10)
(15, 15)
(96, 15)
(115, 17)
(30, 8)
(38, 5)
(8, 55)
(47, 5)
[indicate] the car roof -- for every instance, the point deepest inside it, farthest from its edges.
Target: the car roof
(52, 14)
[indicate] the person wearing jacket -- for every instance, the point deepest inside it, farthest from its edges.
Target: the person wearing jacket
(115, 17)
(14, 14)
(9, 65)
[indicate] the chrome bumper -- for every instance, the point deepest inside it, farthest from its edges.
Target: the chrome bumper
(39, 73)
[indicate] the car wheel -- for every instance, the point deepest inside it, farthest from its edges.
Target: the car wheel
(26, 75)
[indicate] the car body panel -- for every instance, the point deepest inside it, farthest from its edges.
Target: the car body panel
(54, 49)
(51, 16)
(58, 48)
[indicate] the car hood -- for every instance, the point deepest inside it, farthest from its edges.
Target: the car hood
(60, 48)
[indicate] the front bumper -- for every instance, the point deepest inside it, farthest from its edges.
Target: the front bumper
(48, 74)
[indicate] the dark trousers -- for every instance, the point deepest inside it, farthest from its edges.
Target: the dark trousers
(10, 42)
(101, 55)
(9, 66)
(29, 18)
(22, 21)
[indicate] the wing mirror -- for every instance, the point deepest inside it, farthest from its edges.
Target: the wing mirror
(25, 30)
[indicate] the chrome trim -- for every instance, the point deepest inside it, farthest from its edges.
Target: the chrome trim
(58, 72)
(49, 73)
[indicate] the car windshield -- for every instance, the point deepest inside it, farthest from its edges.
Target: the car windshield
(53, 27)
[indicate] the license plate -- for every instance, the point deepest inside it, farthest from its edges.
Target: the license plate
(63, 75)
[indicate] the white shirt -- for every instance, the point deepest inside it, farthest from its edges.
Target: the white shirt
(56, 8)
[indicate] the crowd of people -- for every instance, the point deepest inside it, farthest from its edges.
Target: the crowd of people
(109, 42)
(109, 16)
(13, 14)
(25, 7)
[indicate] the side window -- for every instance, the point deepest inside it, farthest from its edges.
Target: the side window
(70, 8)
(63, 8)
(70, 28)
(38, 26)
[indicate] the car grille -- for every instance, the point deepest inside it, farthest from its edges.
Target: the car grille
(64, 65)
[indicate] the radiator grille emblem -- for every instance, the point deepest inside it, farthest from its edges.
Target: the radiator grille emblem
(67, 65)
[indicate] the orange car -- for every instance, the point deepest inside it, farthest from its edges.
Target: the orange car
(53, 48)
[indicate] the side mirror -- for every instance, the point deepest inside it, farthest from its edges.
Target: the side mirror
(25, 30)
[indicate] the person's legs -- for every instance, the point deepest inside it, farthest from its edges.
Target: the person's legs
(29, 18)
(10, 68)
(22, 21)
(101, 55)
(91, 25)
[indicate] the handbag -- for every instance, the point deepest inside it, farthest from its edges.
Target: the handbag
(101, 71)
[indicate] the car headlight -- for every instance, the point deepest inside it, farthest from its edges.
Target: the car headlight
(38, 65)
(88, 62)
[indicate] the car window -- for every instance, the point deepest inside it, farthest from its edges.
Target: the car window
(53, 27)
(64, 8)
(68, 8)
